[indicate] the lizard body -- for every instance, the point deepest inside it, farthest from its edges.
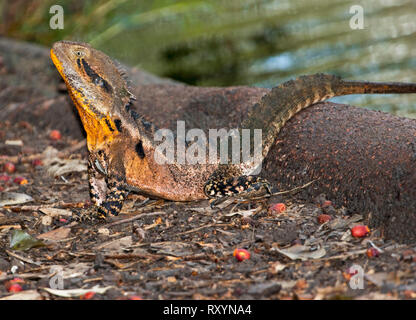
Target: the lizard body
(122, 149)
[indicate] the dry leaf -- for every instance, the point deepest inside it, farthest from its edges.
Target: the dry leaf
(276, 266)
(60, 167)
(24, 295)
(57, 234)
(11, 198)
(301, 252)
(72, 270)
(117, 244)
(71, 293)
(176, 249)
(55, 212)
(57, 167)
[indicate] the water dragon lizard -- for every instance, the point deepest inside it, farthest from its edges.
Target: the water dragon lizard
(121, 145)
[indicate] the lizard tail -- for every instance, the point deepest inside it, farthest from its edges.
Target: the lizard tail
(287, 99)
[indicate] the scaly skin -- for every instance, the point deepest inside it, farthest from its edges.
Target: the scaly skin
(121, 146)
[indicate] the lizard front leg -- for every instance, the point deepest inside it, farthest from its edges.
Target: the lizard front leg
(97, 181)
(107, 191)
(116, 194)
(98, 189)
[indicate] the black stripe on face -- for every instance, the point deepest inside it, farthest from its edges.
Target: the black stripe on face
(117, 122)
(95, 78)
(140, 150)
(79, 63)
(109, 125)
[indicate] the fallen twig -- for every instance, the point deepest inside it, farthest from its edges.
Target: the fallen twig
(344, 255)
(115, 223)
(27, 260)
(48, 205)
(205, 226)
(294, 189)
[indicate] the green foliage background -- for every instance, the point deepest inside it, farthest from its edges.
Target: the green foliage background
(236, 42)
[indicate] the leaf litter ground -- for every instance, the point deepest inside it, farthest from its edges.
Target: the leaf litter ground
(165, 250)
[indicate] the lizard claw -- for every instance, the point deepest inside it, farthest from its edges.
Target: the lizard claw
(88, 216)
(245, 187)
(214, 202)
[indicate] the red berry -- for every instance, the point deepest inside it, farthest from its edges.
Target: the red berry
(9, 167)
(88, 295)
(277, 208)
(15, 287)
(20, 180)
(241, 254)
(372, 252)
(322, 218)
(55, 135)
(360, 231)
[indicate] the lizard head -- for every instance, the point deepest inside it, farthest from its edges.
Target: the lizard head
(95, 85)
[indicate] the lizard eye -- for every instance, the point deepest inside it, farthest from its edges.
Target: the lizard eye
(98, 81)
(79, 53)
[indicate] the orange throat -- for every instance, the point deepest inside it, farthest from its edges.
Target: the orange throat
(99, 130)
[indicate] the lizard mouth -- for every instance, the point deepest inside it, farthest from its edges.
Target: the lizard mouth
(62, 63)
(57, 64)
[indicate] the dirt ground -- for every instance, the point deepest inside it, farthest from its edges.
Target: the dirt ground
(165, 250)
